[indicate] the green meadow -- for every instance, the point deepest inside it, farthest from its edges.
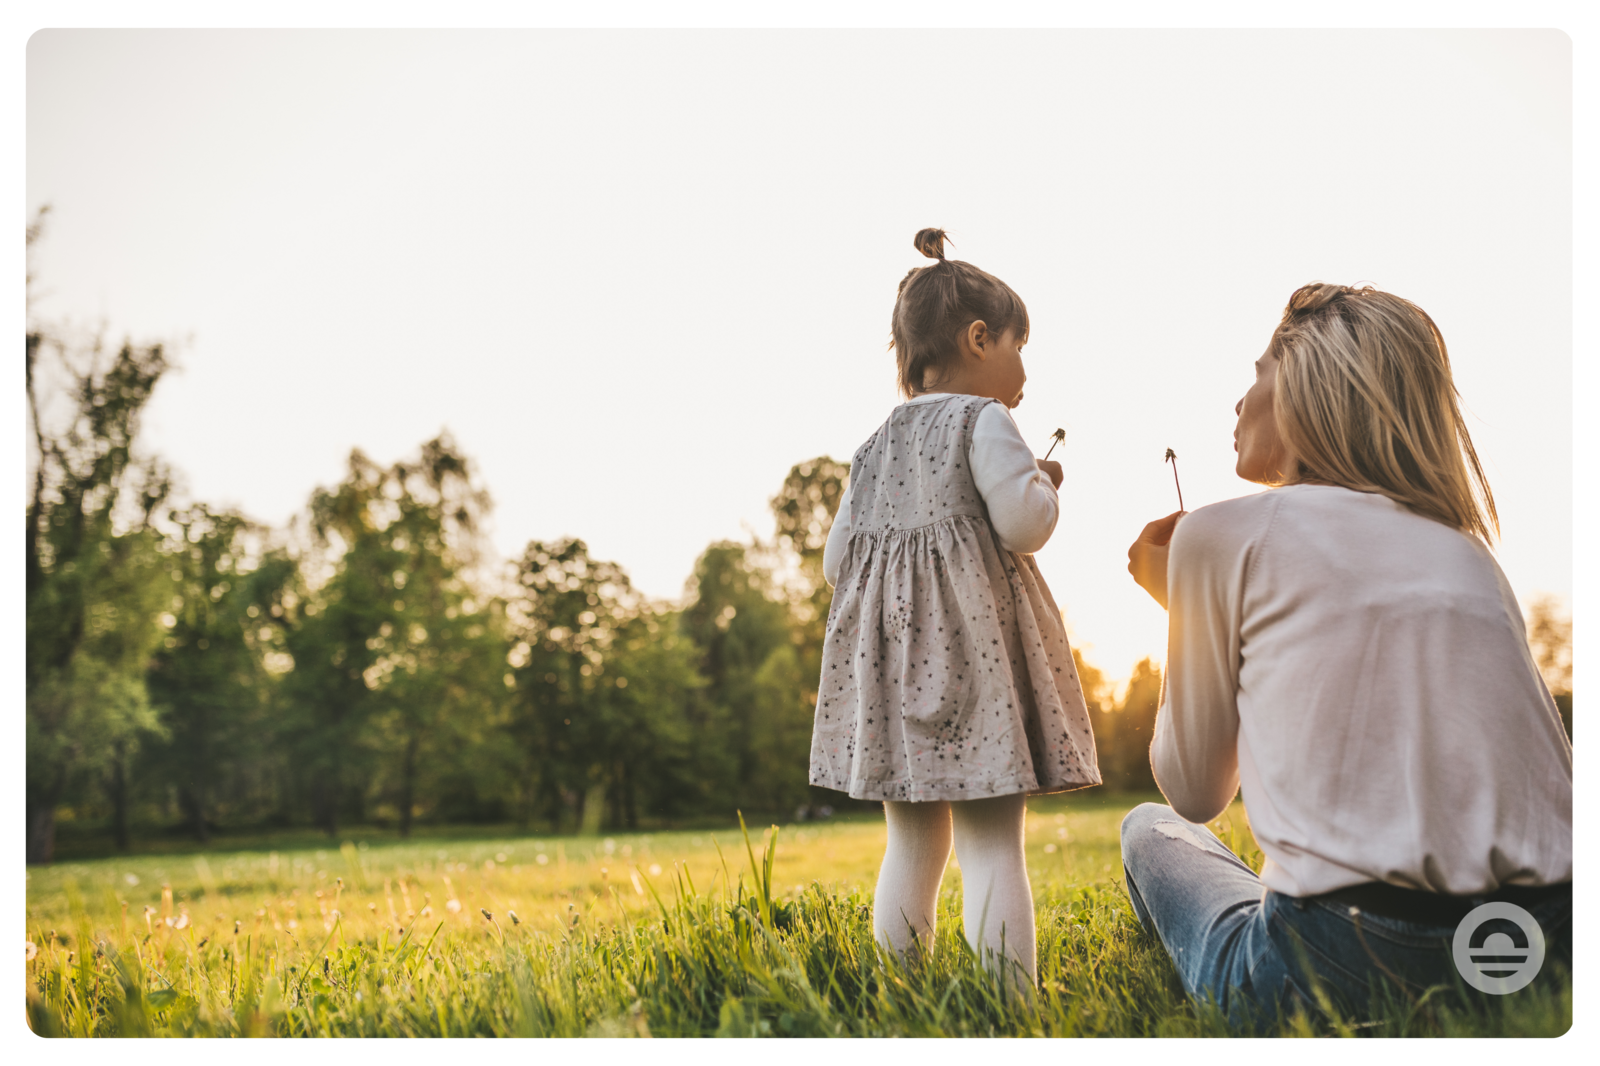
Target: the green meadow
(707, 932)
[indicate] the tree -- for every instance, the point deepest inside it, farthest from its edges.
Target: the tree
(804, 510)
(210, 676)
(92, 574)
(1123, 729)
(603, 683)
(1550, 640)
(740, 621)
(397, 657)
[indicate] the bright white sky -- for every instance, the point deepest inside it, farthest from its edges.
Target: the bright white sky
(639, 274)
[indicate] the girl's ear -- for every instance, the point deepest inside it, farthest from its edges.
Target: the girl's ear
(975, 339)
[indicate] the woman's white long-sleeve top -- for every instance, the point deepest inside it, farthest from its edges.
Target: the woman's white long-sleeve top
(1362, 674)
(1022, 503)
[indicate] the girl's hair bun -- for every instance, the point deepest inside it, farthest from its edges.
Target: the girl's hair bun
(930, 242)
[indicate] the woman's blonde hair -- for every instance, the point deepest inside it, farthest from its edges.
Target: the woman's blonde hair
(1365, 400)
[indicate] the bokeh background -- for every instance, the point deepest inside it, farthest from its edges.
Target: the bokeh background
(632, 286)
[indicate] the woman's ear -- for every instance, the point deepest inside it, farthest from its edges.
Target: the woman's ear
(975, 340)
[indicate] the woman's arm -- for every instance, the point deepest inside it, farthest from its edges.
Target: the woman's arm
(1023, 505)
(1194, 753)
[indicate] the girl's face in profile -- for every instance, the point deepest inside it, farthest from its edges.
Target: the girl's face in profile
(1262, 455)
(990, 365)
(999, 372)
(1003, 366)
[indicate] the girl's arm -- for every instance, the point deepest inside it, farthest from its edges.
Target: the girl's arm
(838, 536)
(1023, 506)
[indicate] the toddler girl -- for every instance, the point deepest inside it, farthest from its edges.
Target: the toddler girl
(948, 689)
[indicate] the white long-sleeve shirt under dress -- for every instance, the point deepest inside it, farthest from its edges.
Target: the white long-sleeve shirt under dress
(1362, 675)
(946, 672)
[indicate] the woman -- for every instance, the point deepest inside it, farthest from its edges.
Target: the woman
(1345, 650)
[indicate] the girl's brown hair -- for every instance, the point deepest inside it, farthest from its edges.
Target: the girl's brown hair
(1365, 400)
(936, 303)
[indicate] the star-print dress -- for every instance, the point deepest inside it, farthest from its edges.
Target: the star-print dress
(946, 673)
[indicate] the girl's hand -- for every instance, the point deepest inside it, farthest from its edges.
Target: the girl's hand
(1147, 556)
(1052, 470)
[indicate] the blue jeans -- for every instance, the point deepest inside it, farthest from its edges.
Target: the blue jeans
(1257, 953)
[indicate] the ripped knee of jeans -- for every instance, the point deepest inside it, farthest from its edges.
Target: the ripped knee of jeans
(1180, 831)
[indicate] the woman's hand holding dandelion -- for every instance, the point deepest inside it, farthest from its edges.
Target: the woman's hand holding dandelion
(1052, 470)
(1147, 556)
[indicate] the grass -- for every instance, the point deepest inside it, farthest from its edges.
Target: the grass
(695, 933)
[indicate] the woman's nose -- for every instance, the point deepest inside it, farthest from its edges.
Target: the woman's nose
(1238, 408)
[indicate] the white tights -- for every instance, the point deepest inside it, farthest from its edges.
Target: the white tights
(997, 904)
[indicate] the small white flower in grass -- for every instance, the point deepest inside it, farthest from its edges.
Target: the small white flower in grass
(1049, 849)
(33, 950)
(182, 922)
(542, 859)
(453, 906)
(655, 869)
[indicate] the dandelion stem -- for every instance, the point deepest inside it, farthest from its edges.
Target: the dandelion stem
(1172, 457)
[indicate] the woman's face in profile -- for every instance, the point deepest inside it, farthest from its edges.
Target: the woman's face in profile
(1262, 456)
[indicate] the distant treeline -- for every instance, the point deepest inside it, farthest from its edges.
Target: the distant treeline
(373, 663)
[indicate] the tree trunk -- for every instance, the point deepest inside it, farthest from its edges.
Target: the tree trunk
(41, 833)
(630, 807)
(327, 794)
(527, 797)
(593, 812)
(39, 821)
(119, 797)
(194, 805)
(408, 783)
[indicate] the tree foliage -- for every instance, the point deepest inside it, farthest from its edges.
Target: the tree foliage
(92, 574)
